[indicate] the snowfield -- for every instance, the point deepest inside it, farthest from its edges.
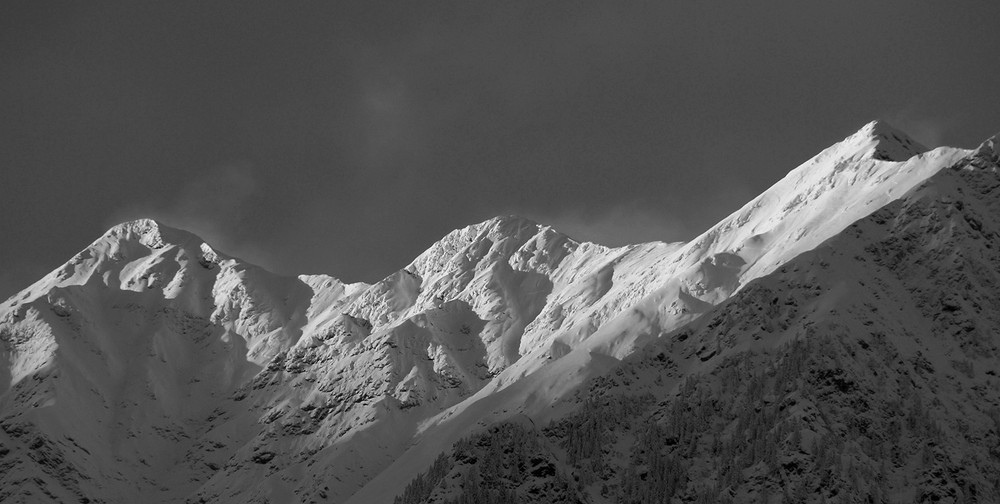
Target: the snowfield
(832, 339)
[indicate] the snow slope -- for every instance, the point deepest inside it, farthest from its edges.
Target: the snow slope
(151, 365)
(668, 288)
(112, 363)
(865, 368)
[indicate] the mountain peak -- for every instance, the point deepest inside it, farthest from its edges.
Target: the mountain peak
(510, 220)
(878, 128)
(989, 150)
(149, 232)
(505, 225)
(880, 140)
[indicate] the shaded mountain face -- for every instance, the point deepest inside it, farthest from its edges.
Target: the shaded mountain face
(151, 367)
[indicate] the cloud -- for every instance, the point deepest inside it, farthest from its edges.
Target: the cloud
(928, 131)
(8, 286)
(620, 225)
(216, 205)
(387, 125)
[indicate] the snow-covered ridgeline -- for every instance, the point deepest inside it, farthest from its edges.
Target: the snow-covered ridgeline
(243, 384)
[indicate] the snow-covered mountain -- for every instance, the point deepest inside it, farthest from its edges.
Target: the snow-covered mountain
(863, 370)
(153, 368)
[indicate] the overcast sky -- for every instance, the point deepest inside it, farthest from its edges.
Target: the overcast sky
(346, 137)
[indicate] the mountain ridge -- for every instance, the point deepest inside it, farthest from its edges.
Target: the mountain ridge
(837, 377)
(248, 385)
(865, 143)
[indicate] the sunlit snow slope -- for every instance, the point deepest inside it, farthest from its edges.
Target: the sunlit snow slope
(153, 368)
(668, 288)
(864, 370)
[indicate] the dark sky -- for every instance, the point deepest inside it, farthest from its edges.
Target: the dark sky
(346, 137)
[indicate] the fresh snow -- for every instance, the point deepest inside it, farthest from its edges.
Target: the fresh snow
(153, 367)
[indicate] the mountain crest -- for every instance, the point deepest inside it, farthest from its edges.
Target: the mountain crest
(989, 151)
(149, 232)
(504, 225)
(150, 367)
(880, 140)
(508, 220)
